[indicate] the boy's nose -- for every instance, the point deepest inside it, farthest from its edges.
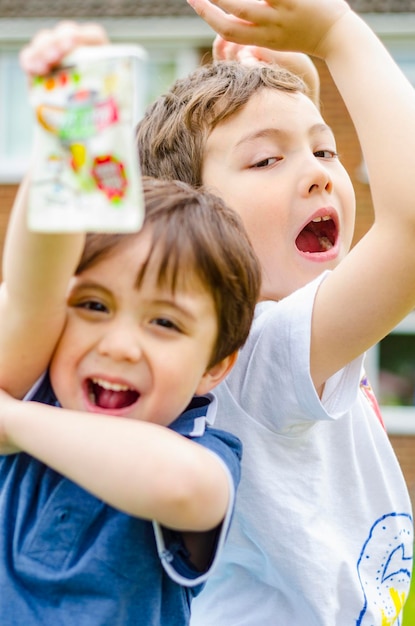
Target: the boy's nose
(316, 178)
(120, 344)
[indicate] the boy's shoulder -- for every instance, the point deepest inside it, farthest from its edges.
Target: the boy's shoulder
(197, 423)
(293, 309)
(42, 391)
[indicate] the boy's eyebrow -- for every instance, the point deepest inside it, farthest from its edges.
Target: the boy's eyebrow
(87, 284)
(258, 134)
(82, 285)
(321, 128)
(174, 304)
(272, 131)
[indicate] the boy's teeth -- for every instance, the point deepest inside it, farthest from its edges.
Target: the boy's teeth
(108, 395)
(325, 218)
(105, 384)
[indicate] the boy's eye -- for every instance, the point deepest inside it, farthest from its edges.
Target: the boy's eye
(92, 305)
(266, 162)
(165, 323)
(326, 154)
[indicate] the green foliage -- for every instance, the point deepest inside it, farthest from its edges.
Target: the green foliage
(409, 609)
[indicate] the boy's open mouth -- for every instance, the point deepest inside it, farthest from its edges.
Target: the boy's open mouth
(106, 395)
(318, 236)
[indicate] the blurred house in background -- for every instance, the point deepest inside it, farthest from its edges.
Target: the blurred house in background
(177, 40)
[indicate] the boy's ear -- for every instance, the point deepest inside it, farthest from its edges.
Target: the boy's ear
(212, 377)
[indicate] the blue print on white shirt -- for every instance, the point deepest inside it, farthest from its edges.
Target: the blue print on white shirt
(384, 569)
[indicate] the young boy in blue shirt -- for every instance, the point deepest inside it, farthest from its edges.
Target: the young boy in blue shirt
(114, 509)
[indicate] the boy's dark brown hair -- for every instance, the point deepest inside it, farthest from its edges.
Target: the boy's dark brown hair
(172, 135)
(195, 235)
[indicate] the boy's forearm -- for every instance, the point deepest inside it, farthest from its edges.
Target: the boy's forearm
(381, 102)
(143, 469)
(30, 257)
(378, 274)
(36, 271)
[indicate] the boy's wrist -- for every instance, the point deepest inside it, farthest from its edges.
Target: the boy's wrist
(341, 34)
(8, 410)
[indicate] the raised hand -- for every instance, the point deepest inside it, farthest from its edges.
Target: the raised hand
(49, 46)
(295, 25)
(297, 62)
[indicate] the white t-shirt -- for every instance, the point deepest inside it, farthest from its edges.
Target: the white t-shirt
(322, 531)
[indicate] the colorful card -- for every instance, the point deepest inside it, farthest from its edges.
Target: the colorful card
(85, 171)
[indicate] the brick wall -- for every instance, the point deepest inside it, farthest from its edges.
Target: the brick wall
(7, 193)
(404, 446)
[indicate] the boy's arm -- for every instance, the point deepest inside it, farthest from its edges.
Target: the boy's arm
(373, 288)
(143, 469)
(36, 272)
(37, 267)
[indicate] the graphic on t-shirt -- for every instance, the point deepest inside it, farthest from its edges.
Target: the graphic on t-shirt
(366, 387)
(83, 116)
(384, 568)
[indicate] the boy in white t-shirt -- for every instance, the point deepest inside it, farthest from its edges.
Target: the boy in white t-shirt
(322, 532)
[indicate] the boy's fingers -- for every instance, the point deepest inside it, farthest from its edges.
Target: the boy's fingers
(233, 21)
(247, 11)
(49, 46)
(31, 63)
(218, 48)
(224, 24)
(275, 24)
(86, 34)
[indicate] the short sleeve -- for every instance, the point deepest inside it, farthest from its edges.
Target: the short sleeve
(172, 552)
(272, 382)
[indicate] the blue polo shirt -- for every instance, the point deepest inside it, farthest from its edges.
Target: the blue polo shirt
(69, 559)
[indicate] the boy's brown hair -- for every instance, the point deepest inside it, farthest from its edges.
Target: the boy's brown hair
(172, 135)
(195, 235)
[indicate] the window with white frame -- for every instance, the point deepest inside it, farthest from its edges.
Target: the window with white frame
(15, 118)
(390, 365)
